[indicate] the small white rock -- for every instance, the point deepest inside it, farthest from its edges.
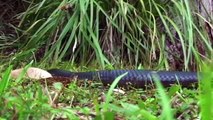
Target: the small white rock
(119, 91)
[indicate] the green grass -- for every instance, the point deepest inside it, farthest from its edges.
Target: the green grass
(96, 34)
(27, 99)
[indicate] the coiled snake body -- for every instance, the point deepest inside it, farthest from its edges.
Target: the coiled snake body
(137, 78)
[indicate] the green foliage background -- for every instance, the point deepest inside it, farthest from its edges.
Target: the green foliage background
(104, 34)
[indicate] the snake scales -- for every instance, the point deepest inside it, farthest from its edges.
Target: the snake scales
(137, 78)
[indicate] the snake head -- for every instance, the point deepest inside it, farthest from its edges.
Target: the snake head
(61, 73)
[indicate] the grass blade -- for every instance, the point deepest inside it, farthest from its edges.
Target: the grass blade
(5, 80)
(110, 91)
(206, 93)
(167, 113)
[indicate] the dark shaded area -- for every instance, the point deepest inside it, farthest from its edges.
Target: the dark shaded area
(9, 9)
(9, 24)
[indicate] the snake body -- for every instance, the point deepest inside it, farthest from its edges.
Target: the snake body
(137, 78)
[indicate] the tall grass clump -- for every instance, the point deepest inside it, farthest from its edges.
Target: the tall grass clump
(159, 34)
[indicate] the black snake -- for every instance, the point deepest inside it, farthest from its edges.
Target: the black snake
(137, 78)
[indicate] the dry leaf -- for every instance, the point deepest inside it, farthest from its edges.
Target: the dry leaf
(32, 73)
